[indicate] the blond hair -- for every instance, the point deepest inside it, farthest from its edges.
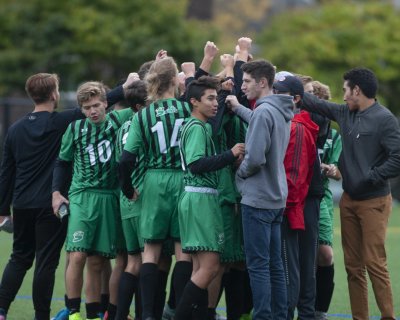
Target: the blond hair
(161, 77)
(90, 89)
(321, 90)
(304, 79)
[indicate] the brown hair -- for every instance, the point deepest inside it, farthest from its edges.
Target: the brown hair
(40, 86)
(160, 77)
(321, 90)
(88, 90)
(258, 69)
(136, 93)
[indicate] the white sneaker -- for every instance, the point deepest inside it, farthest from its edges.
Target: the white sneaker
(219, 317)
(319, 315)
(7, 225)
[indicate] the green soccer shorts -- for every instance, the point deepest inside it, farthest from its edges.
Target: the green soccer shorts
(232, 220)
(91, 225)
(159, 214)
(325, 235)
(200, 223)
(133, 240)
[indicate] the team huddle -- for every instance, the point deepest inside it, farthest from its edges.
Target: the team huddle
(228, 173)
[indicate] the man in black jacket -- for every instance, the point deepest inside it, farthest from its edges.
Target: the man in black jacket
(370, 156)
(30, 149)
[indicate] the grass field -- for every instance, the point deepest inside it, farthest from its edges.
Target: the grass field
(22, 308)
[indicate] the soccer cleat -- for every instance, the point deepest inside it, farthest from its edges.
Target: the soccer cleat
(3, 317)
(7, 225)
(75, 316)
(61, 315)
(168, 313)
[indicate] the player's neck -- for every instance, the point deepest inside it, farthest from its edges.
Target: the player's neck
(45, 106)
(199, 116)
(169, 94)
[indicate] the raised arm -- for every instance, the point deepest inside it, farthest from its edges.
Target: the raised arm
(210, 51)
(331, 110)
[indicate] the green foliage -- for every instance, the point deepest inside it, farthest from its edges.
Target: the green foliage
(91, 40)
(325, 41)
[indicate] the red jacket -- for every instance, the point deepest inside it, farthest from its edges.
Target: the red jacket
(299, 161)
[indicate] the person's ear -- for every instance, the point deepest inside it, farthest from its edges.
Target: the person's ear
(357, 90)
(263, 83)
(193, 101)
(296, 99)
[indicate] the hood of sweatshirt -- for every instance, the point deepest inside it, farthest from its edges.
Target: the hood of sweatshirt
(282, 103)
(305, 118)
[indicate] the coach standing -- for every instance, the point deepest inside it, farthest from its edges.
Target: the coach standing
(30, 149)
(370, 156)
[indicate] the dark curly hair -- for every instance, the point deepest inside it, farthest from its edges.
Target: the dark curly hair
(364, 78)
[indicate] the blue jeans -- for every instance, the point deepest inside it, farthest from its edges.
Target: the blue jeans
(262, 243)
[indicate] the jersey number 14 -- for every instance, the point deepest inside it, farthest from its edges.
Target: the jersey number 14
(162, 140)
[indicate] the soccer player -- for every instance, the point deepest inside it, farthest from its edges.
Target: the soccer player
(136, 96)
(155, 130)
(93, 197)
(202, 231)
(325, 266)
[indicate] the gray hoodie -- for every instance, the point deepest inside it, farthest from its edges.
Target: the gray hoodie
(261, 177)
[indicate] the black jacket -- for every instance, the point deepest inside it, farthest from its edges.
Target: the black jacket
(371, 146)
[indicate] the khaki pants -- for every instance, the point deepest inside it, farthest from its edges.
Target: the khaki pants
(363, 226)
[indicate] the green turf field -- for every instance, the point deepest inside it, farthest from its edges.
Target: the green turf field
(22, 308)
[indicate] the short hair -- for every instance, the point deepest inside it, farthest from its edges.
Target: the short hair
(304, 79)
(258, 69)
(197, 87)
(160, 77)
(321, 90)
(364, 78)
(136, 93)
(40, 86)
(90, 89)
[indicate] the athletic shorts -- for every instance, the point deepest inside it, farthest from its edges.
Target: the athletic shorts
(325, 236)
(91, 225)
(130, 208)
(200, 223)
(133, 240)
(233, 232)
(159, 214)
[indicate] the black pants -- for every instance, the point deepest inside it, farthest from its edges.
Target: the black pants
(308, 246)
(39, 234)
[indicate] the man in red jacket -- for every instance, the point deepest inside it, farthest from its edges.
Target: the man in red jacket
(299, 161)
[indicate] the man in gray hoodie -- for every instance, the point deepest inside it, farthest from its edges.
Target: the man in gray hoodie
(261, 180)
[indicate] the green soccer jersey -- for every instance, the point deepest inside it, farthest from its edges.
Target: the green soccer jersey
(331, 154)
(122, 137)
(195, 144)
(128, 208)
(155, 130)
(91, 148)
(232, 131)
